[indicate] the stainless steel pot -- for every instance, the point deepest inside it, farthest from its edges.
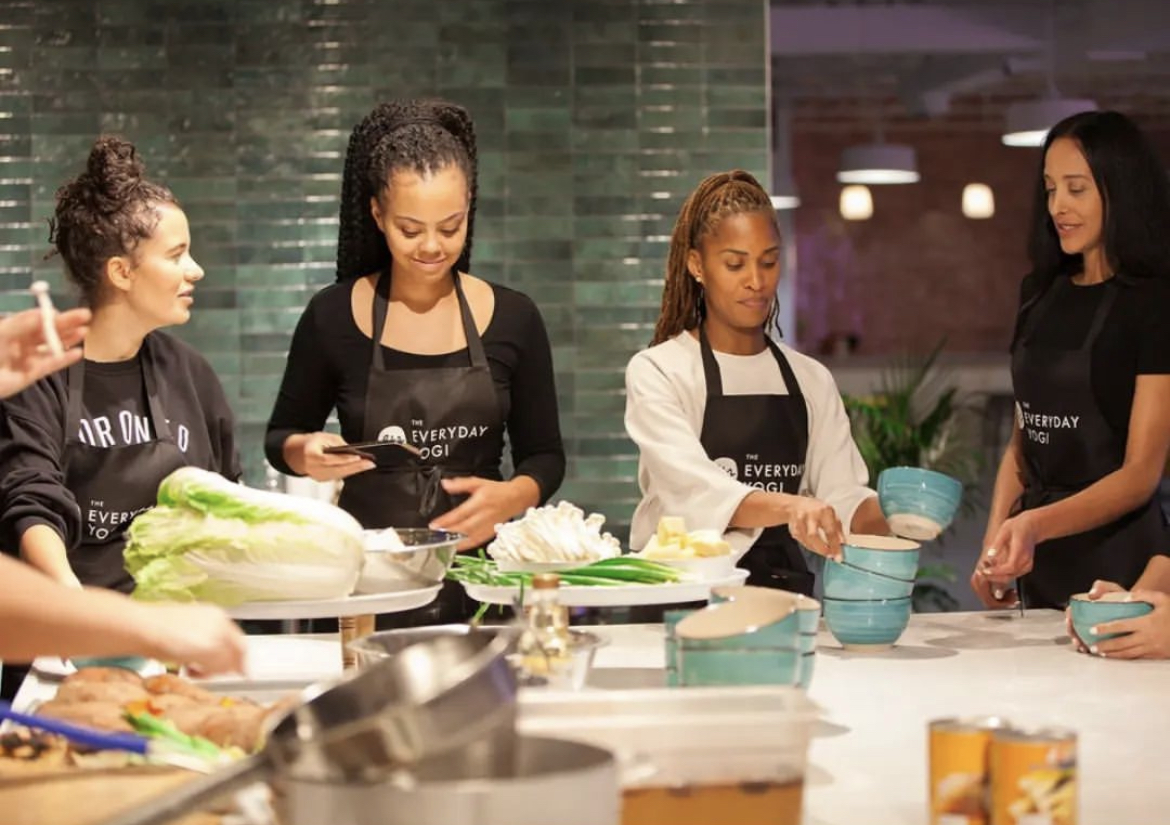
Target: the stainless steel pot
(548, 781)
(451, 693)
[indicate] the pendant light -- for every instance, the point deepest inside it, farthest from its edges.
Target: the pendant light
(878, 163)
(1026, 122)
(856, 203)
(978, 201)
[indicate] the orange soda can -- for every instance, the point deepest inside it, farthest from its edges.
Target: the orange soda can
(959, 775)
(1034, 777)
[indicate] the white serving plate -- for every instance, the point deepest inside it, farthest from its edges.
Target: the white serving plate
(511, 566)
(622, 595)
(357, 605)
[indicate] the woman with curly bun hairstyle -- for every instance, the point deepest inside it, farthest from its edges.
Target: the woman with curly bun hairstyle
(742, 435)
(82, 451)
(411, 349)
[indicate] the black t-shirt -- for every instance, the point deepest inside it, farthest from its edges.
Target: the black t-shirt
(329, 362)
(1135, 339)
(114, 414)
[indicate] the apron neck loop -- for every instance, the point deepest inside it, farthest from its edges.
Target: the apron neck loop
(714, 377)
(75, 395)
(381, 309)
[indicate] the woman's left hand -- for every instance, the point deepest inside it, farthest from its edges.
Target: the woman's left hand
(489, 503)
(1012, 551)
(1148, 636)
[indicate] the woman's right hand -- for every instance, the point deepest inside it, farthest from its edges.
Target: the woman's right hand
(199, 636)
(321, 466)
(815, 525)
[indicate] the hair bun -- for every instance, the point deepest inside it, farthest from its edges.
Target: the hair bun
(113, 173)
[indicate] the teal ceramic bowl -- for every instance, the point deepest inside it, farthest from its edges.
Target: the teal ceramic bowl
(867, 625)
(808, 617)
(893, 557)
(853, 583)
(670, 618)
(918, 504)
(769, 622)
(750, 641)
(1088, 613)
(135, 663)
(726, 666)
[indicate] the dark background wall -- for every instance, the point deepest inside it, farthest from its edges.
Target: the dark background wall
(595, 118)
(918, 271)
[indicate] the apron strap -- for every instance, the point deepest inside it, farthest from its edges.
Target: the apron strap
(785, 370)
(710, 366)
(474, 342)
(381, 308)
(75, 394)
(714, 378)
(162, 429)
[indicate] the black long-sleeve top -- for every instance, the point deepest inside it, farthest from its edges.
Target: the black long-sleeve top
(329, 363)
(32, 432)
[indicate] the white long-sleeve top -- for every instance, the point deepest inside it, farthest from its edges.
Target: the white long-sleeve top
(666, 395)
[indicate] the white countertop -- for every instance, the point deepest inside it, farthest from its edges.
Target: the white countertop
(868, 757)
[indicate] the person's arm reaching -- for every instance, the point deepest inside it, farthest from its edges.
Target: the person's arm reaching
(39, 617)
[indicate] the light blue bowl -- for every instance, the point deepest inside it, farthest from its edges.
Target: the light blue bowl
(808, 615)
(919, 504)
(1088, 613)
(890, 556)
(135, 663)
(706, 667)
(853, 583)
(748, 641)
(669, 619)
(867, 625)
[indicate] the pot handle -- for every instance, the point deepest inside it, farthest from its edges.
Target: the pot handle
(188, 797)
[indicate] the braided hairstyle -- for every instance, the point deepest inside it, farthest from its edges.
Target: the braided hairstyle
(422, 136)
(716, 198)
(104, 212)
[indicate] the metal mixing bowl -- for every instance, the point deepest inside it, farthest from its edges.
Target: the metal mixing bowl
(424, 562)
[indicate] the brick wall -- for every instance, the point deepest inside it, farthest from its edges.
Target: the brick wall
(917, 270)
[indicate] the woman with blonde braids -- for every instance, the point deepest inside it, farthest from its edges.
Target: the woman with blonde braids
(738, 433)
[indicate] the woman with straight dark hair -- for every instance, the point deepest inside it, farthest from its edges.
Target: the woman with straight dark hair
(1075, 497)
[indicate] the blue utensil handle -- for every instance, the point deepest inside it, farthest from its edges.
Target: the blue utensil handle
(98, 740)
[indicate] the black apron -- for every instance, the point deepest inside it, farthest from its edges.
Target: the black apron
(761, 440)
(453, 415)
(113, 484)
(1068, 445)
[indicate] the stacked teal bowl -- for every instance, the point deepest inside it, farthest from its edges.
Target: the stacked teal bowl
(867, 594)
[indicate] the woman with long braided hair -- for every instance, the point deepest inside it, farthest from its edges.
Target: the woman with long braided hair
(410, 349)
(740, 434)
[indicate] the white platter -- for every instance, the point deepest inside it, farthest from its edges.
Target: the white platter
(623, 595)
(509, 566)
(359, 605)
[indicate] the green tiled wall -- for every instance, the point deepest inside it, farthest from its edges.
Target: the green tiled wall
(595, 118)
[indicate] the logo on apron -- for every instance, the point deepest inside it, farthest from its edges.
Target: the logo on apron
(728, 466)
(393, 434)
(1038, 427)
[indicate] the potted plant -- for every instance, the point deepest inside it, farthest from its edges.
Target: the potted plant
(917, 418)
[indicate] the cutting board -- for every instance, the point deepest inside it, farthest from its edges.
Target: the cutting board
(73, 796)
